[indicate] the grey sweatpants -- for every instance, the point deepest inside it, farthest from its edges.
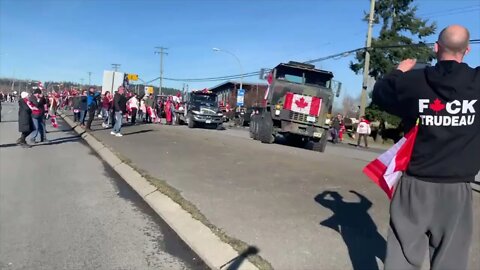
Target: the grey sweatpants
(429, 214)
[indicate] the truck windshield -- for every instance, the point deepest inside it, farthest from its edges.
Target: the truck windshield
(205, 100)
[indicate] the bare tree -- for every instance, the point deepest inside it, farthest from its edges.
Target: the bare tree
(350, 106)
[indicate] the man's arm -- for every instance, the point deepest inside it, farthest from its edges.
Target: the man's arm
(385, 93)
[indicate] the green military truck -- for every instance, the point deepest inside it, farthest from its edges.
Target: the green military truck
(296, 106)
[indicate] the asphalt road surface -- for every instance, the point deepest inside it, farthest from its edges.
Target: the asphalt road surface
(61, 208)
(302, 209)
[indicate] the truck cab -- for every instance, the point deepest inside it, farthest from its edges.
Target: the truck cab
(200, 107)
(297, 103)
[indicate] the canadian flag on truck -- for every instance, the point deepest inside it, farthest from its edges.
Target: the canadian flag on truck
(302, 104)
(386, 170)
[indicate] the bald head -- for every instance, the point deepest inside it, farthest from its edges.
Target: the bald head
(453, 42)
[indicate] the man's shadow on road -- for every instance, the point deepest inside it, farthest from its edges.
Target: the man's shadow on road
(357, 228)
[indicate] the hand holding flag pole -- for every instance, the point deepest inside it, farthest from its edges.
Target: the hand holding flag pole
(387, 169)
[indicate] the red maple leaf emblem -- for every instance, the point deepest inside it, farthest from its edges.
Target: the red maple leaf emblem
(301, 103)
(437, 105)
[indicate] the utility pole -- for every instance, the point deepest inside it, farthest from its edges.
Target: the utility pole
(115, 66)
(366, 67)
(81, 80)
(161, 52)
(89, 77)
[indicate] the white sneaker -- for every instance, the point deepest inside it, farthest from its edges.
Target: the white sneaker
(113, 133)
(119, 135)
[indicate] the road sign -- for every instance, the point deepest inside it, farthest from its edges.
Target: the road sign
(240, 97)
(133, 77)
(112, 80)
(149, 89)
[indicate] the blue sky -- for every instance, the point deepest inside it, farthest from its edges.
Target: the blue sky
(64, 39)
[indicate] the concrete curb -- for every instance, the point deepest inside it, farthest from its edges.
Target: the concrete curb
(209, 247)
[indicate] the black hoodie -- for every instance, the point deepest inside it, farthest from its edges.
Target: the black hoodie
(446, 99)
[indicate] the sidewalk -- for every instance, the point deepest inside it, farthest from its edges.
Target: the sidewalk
(296, 206)
(62, 208)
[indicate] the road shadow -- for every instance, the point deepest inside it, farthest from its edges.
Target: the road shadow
(49, 142)
(236, 262)
(6, 145)
(74, 138)
(137, 132)
(60, 130)
(357, 228)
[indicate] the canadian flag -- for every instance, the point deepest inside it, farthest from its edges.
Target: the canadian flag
(302, 104)
(387, 169)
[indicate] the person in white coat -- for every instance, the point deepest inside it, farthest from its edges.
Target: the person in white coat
(363, 130)
(133, 105)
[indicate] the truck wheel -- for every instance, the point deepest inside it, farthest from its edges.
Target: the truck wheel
(241, 122)
(265, 129)
(321, 144)
(251, 128)
(191, 122)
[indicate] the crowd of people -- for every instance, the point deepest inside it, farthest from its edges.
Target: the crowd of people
(34, 110)
(8, 97)
(113, 109)
(338, 129)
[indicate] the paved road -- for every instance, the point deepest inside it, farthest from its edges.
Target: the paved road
(61, 208)
(295, 205)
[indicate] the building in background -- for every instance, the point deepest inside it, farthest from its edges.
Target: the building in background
(227, 93)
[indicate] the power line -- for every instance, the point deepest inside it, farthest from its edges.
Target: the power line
(89, 77)
(116, 66)
(161, 52)
(454, 13)
(333, 56)
(440, 12)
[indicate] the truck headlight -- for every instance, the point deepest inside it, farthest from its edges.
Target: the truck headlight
(220, 114)
(196, 112)
(277, 112)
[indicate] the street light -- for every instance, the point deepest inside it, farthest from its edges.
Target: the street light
(238, 61)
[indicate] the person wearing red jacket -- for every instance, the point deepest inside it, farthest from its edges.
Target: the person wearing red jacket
(106, 107)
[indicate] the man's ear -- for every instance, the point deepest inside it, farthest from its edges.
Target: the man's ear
(435, 47)
(467, 51)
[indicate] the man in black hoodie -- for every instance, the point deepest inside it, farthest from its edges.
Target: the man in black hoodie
(432, 204)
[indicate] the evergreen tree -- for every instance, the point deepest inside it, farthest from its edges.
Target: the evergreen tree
(399, 26)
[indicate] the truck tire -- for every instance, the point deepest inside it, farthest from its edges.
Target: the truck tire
(321, 144)
(251, 128)
(265, 129)
(177, 120)
(191, 122)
